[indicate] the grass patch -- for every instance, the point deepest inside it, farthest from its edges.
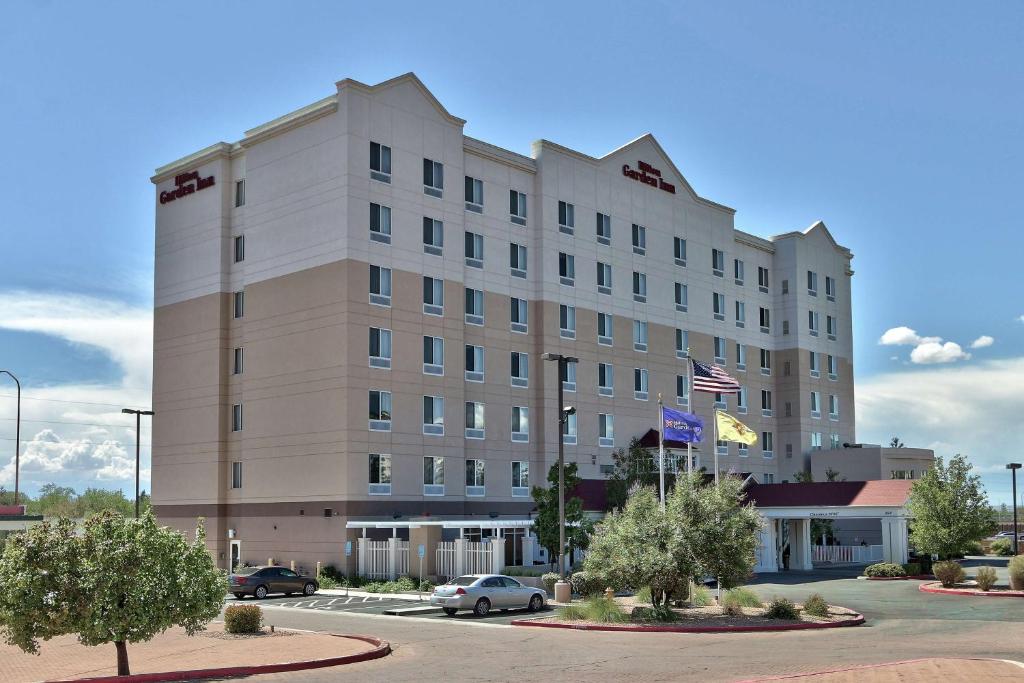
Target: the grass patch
(741, 597)
(701, 596)
(816, 606)
(644, 595)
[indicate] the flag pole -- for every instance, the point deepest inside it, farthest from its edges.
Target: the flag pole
(661, 451)
(715, 445)
(689, 408)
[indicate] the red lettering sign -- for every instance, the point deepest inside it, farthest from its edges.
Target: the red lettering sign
(648, 175)
(183, 186)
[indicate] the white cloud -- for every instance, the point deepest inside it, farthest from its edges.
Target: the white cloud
(927, 350)
(982, 341)
(48, 457)
(1020, 318)
(904, 336)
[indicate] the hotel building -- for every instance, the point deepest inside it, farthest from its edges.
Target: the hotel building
(352, 304)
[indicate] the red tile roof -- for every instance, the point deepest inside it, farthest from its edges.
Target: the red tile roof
(888, 492)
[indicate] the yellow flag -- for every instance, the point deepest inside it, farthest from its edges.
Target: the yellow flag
(731, 429)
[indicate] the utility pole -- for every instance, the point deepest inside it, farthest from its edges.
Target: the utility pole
(1013, 467)
(138, 438)
(563, 417)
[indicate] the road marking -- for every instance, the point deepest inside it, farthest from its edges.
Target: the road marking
(312, 604)
(333, 601)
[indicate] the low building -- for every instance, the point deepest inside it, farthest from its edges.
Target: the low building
(866, 462)
(13, 518)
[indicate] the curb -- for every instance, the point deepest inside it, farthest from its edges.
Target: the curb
(854, 620)
(915, 577)
(863, 667)
(936, 588)
(381, 648)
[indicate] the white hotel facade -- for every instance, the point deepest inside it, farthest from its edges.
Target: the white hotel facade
(352, 304)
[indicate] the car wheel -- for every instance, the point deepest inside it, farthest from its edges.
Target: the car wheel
(309, 588)
(450, 611)
(239, 596)
(536, 602)
(260, 592)
(482, 607)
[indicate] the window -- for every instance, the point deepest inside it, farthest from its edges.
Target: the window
(815, 370)
(380, 162)
(762, 279)
(766, 403)
(833, 407)
(433, 476)
(380, 286)
(741, 401)
(833, 441)
(605, 379)
(639, 239)
(679, 250)
(517, 259)
(605, 430)
(520, 478)
(741, 356)
(604, 229)
(380, 348)
(380, 410)
(785, 290)
(639, 287)
(813, 323)
(767, 445)
(520, 369)
(722, 447)
(640, 391)
(433, 296)
(236, 475)
(236, 417)
(766, 362)
(433, 178)
(604, 329)
(380, 475)
(240, 192)
(785, 327)
(737, 271)
(433, 355)
(789, 450)
(812, 283)
(474, 195)
(815, 404)
(474, 420)
(830, 288)
(682, 297)
(474, 363)
(566, 269)
(433, 236)
(567, 321)
(833, 372)
(475, 477)
(520, 424)
(815, 441)
(474, 306)
(742, 450)
(789, 409)
(604, 278)
(682, 343)
(766, 319)
(566, 218)
(718, 305)
(720, 401)
(720, 350)
(785, 368)
(239, 304)
(239, 248)
(569, 430)
(519, 315)
(640, 335)
(830, 327)
(433, 415)
(380, 223)
(567, 375)
(682, 390)
(741, 314)
(769, 477)
(902, 474)
(474, 250)
(517, 207)
(718, 262)
(237, 369)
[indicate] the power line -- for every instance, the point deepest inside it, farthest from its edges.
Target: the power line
(61, 400)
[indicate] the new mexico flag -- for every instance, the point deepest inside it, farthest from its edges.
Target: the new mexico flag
(731, 429)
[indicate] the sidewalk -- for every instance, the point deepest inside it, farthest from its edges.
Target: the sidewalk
(917, 671)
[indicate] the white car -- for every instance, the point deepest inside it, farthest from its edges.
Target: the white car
(484, 592)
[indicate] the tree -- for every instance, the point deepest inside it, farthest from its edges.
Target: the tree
(7, 497)
(949, 509)
(119, 581)
(577, 527)
(632, 467)
(896, 443)
(55, 501)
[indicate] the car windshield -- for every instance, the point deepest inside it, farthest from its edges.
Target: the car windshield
(463, 581)
(246, 571)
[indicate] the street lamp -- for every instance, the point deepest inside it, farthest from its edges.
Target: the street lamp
(563, 416)
(138, 437)
(17, 435)
(1013, 467)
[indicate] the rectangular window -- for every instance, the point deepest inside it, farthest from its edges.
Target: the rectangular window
(236, 417)
(519, 315)
(433, 355)
(785, 290)
(433, 415)
(718, 305)
(380, 348)
(520, 478)
(762, 279)
(239, 248)
(833, 441)
(520, 369)
(766, 362)
(720, 345)
(237, 366)
(240, 192)
(433, 296)
(475, 477)
(639, 287)
(567, 375)
(813, 323)
(474, 250)
(474, 363)
(520, 424)
(567, 321)
(566, 217)
(737, 271)
(380, 411)
(433, 476)
(474, 306)
(517, 207)
(833, 372)
(433, 236)
(682, 343)
(380, 286)
(517, 259)
(741, 401)
(830, 288)
(741, 314)
(604, 329)
(812, 283)
(682, 390)
(682, 297)
(605, 379)
(640, 388)
(815, 404)
(380, 223)
(474, 195)
(640, 335)
(239, 304)
(604, 278)
(785, 327)
(766, 403)
(639, 239)
(605, 430)
(566, 269)
(815, 370)
(741, 356)
(767, 445)
(833, 407)
(718, 262)
(236, 475)
(679, 250)
(830, 327)
(766, 320)
(815, 441)
(720, 401)
(569, 430)
(474, 420)
(380, 475)
(604, 229)
(433, 178)
(380, 162)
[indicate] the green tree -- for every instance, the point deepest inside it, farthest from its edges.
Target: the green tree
(577, 526)
(896, 443)
(92, 501)
(119, 581)
(949, 509)
(55, 501)
(632, 467)
(7, 497)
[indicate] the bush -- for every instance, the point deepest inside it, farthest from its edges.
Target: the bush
(741, 597)
(426, 586)
(549, 581)
(700, 596)
(586, 583)
(973, 548)
(644, 595)
(1003, 547)
(986, 578)
(327, 582)
(521, 571)
(331, 572)
(780, 608)
(885, 569)
(572, 613)
(661, 613)
(1016, 568)
(949, 573)
(604, 611)
(816, 606)
(912, 568)
(243, 619)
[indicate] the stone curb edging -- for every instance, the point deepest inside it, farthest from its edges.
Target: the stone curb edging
(854, 620)
(381, 648)
(915, 577)
(937, 588)
(882, 665)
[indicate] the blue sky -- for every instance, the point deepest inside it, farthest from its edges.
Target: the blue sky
(899, 126)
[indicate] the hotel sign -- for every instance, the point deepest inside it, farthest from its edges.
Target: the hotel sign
(647, 174)
(186, 184)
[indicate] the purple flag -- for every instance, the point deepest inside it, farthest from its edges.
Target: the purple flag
(680, 426)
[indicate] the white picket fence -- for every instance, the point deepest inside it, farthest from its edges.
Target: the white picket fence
(402, 559)
(446, 564)
(479, 558)
(847, 554)
(377, 556)
(455, 558)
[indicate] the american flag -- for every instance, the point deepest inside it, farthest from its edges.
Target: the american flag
(712, 379)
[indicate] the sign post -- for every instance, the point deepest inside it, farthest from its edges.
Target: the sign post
(348, 553)
(421, 550)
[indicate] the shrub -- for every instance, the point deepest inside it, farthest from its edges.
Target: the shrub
(406, 584)
(587, 583)
(331, 572)
(986, 578)
(243, 619)
(741, 597)
(549, 580)
(816, 606)
(973, 548)
(661, 613)
(780, 608)
(912, 568)
(327, 582)
(572, 613)
(1003, 547)
(885, 569)
(604, 611)
(949, 573)
(521, 571)
(426, 586)
(700, 596)
(644, 595)
(1016, 568)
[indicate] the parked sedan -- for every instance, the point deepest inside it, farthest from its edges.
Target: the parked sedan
(261, 581)
(484, 592)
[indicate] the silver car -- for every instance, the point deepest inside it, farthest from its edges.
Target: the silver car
(484, 592)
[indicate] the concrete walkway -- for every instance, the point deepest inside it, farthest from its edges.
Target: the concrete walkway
(919, 671)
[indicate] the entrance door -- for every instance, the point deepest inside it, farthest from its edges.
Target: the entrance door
(236, 555)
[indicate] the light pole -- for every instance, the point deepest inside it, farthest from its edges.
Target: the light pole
(563, 416)
(138, 438)
(17, 436)
(1013, 467)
